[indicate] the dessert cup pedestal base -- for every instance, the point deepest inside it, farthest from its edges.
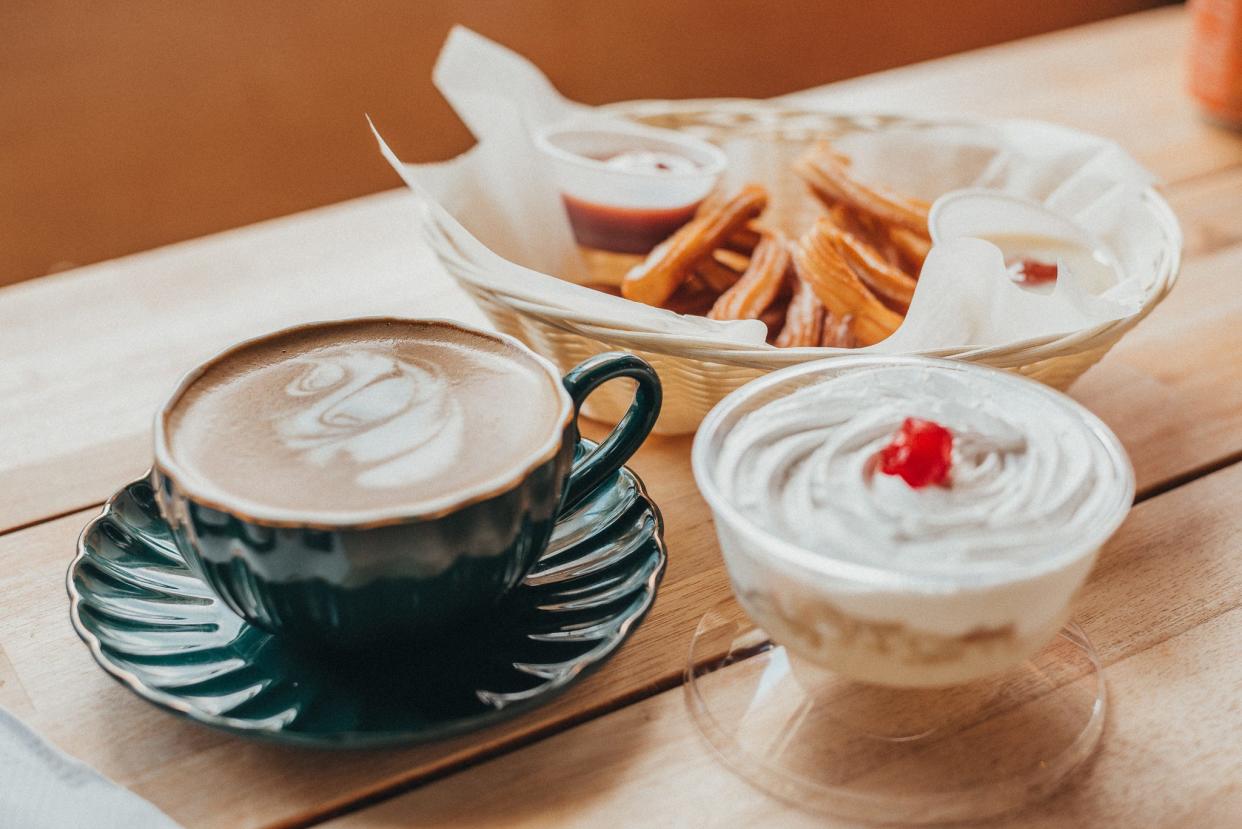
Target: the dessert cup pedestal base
(916, 756)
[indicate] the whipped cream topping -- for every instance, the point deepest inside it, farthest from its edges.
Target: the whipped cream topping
(1029, 480)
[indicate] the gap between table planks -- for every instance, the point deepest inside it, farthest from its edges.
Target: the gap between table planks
(120, 333)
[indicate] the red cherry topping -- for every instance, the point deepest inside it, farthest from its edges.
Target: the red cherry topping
(921, 453)
(1032, 271)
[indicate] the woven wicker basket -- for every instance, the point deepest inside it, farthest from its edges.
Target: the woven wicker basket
(697, 375)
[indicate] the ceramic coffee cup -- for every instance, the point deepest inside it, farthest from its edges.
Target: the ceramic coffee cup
(348, 578)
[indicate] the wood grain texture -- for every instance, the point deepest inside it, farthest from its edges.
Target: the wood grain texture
(182, 767)
(81, 709)
(1167, 757)
(1123, 79)
(88, 356)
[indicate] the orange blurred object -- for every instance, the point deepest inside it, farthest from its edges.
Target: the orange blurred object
(1216, 59)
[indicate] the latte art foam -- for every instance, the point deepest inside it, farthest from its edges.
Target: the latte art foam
(363, 416)
(1027, 473)
(393, 421)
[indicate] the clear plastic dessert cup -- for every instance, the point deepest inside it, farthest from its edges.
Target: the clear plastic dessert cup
(1023, 228)
(579, 154)
(626, 187)
(838, 611)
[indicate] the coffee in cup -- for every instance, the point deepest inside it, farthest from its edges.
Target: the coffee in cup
(353, 480)
(350, 423)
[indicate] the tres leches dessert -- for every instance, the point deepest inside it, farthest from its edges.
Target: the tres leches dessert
(907, 521)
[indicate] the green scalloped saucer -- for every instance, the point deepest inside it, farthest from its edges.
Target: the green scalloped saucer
(155, 627)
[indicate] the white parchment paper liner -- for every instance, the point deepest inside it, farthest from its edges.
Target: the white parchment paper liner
(495, 212)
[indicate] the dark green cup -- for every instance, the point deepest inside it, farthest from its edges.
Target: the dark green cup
(410, 574)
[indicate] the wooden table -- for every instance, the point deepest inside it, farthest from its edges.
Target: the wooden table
(87, 356)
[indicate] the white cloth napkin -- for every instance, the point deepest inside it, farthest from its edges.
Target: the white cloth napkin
(41, 787)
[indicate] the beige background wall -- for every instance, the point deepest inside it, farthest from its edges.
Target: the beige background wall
(126, 125)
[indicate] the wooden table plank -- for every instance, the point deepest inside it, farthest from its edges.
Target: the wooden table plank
(1122, 78)
(1166, 754)
(89, 355)
(1209, 210)
(77, 706)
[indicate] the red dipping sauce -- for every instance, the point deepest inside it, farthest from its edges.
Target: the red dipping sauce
(623, 229)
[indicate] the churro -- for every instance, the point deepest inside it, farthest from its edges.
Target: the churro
(827, 174)
(744, 240)
(654, 280)
(838, 333)
(774, 318)
(842, 292)
(912, 246)
(804, 319)
(759, 285)
(713, 271)
(891, 285)
(847, 282)
(691, 298)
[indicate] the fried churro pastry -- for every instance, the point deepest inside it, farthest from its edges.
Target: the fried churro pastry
(847, 219)
(838, 333)
(604, 288)
(912, 246)
(868, 231)
(804, 318)
(732, 259)
(827, 174)
(876, 237)
(847, 282)
(774, 319)
(893, 286)
(760, 284)
(744, 240)
(691, 298)
(716, 274)
(669, 264)
(822, 264)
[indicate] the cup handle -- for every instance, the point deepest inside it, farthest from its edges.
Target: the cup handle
(588, 472)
